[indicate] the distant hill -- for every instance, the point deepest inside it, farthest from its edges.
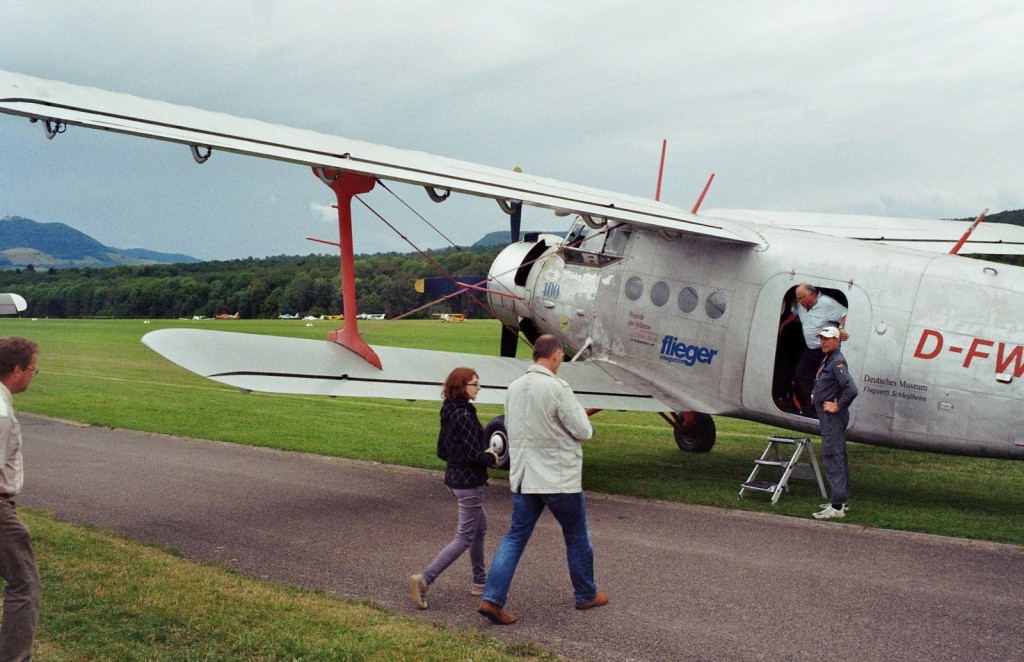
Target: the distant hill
(501, 238)
(59, 246)
(1015, 217)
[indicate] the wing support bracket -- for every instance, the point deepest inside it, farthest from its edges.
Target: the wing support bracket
(329, 179)
(201, 158)
(507, 206)
(435, 196)
(53, 127)
(346, 186)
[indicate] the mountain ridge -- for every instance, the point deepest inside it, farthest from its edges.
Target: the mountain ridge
(25, 242)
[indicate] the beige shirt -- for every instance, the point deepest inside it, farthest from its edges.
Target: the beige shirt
(12, 473)
(546, 428)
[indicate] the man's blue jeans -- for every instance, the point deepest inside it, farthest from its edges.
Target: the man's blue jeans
(571, 512)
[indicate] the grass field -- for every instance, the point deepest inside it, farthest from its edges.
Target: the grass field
(108, 599)
(97, 371)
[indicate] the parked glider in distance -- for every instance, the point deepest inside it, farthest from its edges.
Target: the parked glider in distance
(12, 304)
(663, 310)
(289, 316)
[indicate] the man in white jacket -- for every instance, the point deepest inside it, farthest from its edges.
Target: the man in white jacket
(546, 427)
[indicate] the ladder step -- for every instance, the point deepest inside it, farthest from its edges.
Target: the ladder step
(759, 485)
(787, 440)
(772, 463)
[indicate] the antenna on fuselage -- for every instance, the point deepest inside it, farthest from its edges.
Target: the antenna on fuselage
(963, 239)
(702, 194)
(661, 169)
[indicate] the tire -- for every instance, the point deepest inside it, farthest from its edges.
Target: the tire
(696, 434)
(497, 440)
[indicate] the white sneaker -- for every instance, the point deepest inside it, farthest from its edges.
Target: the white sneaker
(830, 513)
(823, 506)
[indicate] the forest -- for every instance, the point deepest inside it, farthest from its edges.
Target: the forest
(252, 287)
(267, 287)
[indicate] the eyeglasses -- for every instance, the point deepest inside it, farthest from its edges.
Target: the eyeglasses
(476, 384)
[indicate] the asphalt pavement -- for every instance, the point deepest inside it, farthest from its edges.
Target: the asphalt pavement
(686, 582)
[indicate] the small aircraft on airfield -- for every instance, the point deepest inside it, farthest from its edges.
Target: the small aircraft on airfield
(225, 316)
(662, 309)
(289, 316)
(12, 304)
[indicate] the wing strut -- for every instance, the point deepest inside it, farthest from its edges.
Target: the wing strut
(346, 186)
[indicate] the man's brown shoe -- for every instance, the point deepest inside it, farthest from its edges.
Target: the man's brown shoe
(496, 614)
(600, 599)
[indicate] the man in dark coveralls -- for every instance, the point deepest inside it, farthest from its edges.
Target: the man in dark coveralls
(833, 392)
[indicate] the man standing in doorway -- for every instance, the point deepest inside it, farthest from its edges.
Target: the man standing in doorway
(834, 390)
(815, 311)
(546, 426)
(17, 564)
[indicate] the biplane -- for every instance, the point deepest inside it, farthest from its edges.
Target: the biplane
(663, 309)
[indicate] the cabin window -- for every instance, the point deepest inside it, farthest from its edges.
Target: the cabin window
(634, 288)
(714, 305)
(687, 299)
(660, 293)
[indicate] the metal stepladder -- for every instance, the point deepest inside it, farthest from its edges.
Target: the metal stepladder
(791, 467)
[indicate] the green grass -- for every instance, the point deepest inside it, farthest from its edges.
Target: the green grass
(97, 371)
(107, 599)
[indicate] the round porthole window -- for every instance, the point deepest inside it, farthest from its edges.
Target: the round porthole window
(659, 293)
(714, 306)
(634, 288)
(687, 299)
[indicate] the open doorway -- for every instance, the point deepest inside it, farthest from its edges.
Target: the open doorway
(790, 391)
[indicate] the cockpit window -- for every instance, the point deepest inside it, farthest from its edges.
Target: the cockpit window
(595, 246)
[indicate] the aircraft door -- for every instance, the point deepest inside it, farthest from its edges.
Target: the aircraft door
(771, 356)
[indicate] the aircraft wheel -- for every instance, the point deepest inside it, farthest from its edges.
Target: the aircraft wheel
(696, 434)
(497, 439)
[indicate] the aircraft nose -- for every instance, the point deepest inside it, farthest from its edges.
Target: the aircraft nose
(508, 295)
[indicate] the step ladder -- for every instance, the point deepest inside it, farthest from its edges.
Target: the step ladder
(774, 455)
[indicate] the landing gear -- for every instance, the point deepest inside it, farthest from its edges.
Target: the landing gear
(694, 431)
(497, 440)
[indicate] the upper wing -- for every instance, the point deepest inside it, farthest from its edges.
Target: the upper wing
(73, 104)
(920, 233)
(319, 367)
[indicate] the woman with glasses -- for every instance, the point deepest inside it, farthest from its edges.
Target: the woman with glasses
(462, 445)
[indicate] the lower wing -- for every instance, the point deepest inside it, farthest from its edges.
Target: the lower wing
(276, 364)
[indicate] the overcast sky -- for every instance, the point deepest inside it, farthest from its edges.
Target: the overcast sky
(897, 109)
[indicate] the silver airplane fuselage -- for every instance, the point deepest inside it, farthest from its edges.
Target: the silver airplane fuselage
(936, 341)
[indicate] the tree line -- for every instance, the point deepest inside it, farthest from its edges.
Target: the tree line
(252, 287)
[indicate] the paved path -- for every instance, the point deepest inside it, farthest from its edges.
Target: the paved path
(686, 582)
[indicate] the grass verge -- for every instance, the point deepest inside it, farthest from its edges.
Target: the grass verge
(105, 598)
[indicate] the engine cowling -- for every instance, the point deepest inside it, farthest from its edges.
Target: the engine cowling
(512, 272)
